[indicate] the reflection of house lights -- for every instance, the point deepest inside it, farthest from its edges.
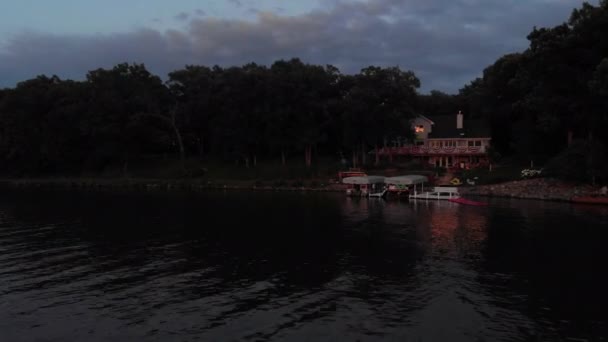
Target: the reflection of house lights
(458, 231)
(419, 129)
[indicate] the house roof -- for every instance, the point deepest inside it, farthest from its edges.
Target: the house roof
(363, 179)
(445, 127)
(427, 119)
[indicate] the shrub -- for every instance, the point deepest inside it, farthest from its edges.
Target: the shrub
(570, 164)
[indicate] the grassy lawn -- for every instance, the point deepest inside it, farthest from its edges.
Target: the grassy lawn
(263, 171)
(272, 170)
(294, 173)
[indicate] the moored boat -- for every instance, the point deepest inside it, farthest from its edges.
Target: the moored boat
(438, 193)
(467, 201)
(378, 194)
(590, 199)
(364, 186)
(400, 185)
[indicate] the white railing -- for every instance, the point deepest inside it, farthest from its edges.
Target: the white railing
(424, 150)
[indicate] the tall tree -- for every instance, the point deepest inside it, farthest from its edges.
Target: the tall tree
(193, 91)
(119, 98)
(379, 104)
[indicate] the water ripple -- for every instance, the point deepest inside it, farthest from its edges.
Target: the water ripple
(320, 268)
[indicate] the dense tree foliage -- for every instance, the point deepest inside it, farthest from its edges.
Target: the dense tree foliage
(542, 101)
(237, 114)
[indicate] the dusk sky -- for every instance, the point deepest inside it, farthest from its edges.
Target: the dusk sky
(447, 43)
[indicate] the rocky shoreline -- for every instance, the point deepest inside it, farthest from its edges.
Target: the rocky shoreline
(539, 188)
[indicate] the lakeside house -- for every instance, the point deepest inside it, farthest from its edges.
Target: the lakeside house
(446, 141)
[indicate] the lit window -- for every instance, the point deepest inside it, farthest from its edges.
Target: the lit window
(419, 129)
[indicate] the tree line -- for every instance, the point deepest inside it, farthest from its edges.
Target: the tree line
(241, 114)
(548, 103)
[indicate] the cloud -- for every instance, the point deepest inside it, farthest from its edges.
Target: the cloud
(236, 3)
(183, 16)
(446, 43)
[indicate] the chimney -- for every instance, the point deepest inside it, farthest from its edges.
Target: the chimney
(459, 119)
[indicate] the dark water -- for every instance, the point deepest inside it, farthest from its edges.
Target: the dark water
(298, 267)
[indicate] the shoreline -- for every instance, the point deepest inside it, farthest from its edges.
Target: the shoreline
(157, 184)
(543, 189)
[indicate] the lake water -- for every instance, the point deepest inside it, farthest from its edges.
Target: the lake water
(238, 266)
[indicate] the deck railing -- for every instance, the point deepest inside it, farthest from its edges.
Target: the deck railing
(425, 151)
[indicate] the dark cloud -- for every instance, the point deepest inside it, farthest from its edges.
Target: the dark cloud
(183, 16)
(200, 12)
(446, 43)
